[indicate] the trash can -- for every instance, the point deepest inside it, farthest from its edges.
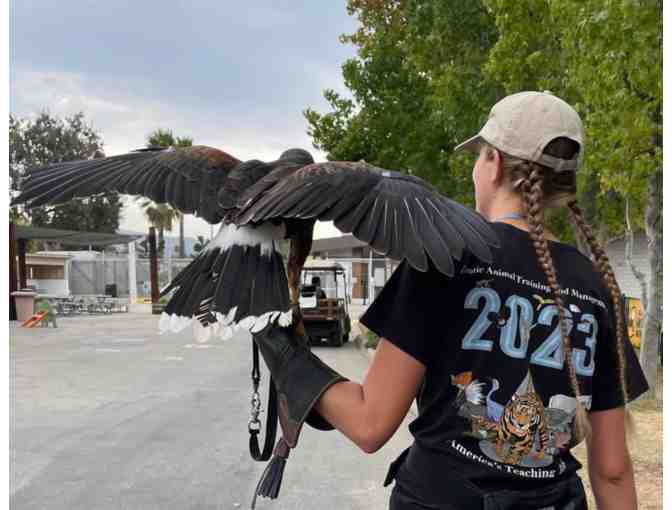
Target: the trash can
(111, 290)
(25, 304)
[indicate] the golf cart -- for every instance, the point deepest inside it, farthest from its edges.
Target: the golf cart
(324, 303)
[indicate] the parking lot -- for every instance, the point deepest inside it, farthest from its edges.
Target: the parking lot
(108, 414)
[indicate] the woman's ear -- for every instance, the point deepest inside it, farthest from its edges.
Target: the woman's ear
(497, 168)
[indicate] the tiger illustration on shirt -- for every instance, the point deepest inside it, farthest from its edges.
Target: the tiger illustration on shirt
(514, 434)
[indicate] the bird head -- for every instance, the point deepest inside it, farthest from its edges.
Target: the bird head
(299, 156)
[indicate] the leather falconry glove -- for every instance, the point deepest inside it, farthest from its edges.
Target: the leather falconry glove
(300, 379)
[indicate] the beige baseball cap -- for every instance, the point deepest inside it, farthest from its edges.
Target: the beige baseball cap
(522, 124)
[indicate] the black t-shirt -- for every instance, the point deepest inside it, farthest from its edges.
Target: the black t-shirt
(495, 397)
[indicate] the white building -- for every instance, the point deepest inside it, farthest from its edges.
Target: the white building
(48, 273)
(615, 250)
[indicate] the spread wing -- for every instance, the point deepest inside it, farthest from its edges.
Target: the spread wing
(399, 215)
(187, 178)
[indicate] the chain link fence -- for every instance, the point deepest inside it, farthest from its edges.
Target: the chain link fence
(109, 275)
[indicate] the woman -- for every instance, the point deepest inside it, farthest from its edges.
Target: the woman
(504, 387)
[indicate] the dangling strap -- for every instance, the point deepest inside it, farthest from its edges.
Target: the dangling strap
(254, 425)
(271, 478)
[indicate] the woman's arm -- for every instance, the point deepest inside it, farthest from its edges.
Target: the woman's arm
(609, 465)
(370, 413)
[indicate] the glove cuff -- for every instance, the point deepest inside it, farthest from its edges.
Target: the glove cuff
(315, 419)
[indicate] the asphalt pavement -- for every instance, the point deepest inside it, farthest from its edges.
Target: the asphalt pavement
(105, 413)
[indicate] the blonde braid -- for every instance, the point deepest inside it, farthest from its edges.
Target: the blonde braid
(602, 264)
(531, 186)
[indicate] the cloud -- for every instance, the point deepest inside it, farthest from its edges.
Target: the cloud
(227, 74)
(125, 120)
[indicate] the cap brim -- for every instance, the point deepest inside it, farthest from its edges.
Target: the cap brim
(473, 144)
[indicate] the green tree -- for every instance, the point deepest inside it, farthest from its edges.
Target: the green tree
(418, 89)
(427, 71)
(48, 139)
(160, 216)
(606, 59)
(165, 138)
(619, 73)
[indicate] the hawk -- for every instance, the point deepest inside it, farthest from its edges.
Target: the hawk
(239, 279)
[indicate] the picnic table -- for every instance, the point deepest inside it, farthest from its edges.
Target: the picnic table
(85, 304)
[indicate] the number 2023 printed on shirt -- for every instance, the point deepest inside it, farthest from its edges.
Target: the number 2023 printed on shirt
(515, 329)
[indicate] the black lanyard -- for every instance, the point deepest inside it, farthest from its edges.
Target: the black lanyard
(254, 425)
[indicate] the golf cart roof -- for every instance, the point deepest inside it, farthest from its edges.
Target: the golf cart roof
(323, 265)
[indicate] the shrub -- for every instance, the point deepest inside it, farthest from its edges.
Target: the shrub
(371, 340)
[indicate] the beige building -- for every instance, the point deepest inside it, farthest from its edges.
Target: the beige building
(366, 270)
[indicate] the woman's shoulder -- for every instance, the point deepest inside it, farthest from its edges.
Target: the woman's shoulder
(574, 268)
(513, 239)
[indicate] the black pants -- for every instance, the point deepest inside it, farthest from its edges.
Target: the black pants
(420, 484)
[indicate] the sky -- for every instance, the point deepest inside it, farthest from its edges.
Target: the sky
(231, 74)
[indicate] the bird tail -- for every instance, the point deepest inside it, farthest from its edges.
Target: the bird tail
(237, 282)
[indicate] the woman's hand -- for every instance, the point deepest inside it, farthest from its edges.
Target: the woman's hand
(371, 412)
(609, 465)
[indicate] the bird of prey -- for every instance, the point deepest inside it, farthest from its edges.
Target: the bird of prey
(239, 280)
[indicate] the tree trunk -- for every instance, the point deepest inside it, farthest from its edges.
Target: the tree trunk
(162, 245)
(182, 236)
(23, 271)
(649, 352)
(153, 265)
(13, 276)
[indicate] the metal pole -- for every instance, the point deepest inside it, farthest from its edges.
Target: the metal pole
(132, 278)
(66, 275)
(371, 282)
(170, 264)
(104, 272)
(153, 265)
(12, 271)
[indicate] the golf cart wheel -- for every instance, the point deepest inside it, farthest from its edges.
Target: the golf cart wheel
(347, 329)
(335, 339)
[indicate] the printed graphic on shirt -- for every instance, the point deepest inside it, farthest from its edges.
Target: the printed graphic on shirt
(520, 429)
(517, 317)
(523, 432)
(489, 273)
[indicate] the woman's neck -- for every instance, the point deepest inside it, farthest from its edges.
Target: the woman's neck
(510, 210)
(505, 208)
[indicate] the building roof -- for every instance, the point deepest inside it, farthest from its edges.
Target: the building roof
(72, 237)
(46, 259)
(322, 265)
(337, 243)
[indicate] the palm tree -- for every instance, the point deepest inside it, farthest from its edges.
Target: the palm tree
(160, 216)
(165, 138)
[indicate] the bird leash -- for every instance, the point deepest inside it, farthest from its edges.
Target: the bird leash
(254, 425)
(271, 478)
